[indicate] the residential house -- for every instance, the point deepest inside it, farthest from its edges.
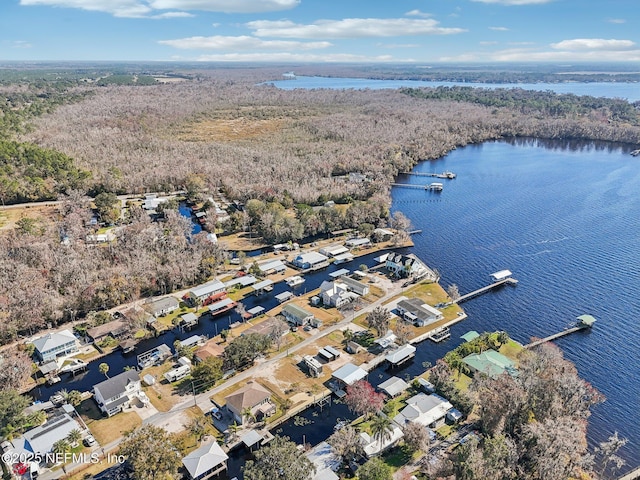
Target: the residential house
(272, 266)
(297, 315)
(335, 294)
(252, 397)
(358, 243)
(269, 326)
(311, 261)
(38, 442)
(355, 286)
(325, 461)
(162, 306)
(333, 250)
(382, 234)
(206, 461)
(416, 311)
(373, 446)
(405, 265)
(427, 410)
(115, 329)
(490, 363)
(204, 291)
(54, 345)
(115, 394)
(210, 349)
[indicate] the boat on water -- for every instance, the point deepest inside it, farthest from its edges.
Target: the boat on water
(294, 281)
(435, 186)
(448, 174)
(440, 334)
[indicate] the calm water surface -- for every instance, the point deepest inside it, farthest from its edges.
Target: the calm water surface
(628, 91)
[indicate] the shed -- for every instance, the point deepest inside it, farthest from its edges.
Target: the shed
(332, 351)
(322, 353)
(149, 379)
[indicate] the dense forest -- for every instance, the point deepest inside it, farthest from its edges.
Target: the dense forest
(281, 153)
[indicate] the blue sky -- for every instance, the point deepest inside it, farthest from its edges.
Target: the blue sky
(415, 31)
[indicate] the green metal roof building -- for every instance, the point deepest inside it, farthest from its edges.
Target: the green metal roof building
(490, 363)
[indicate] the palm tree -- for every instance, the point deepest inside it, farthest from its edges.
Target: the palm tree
(61, 448)
(74, 436)
(233, 428)
(381, 428)
(74, 397)
(104, 369)
(248, 414)
(64, 394)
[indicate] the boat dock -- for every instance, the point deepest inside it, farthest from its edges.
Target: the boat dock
(449, 175)
(480, 291)
(584, 322)
(410, 185)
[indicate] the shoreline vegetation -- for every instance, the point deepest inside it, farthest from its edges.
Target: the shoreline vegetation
(292, 164)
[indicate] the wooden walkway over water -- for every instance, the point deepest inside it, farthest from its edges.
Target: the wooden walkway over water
(480, 291)
(409, 185)
(561, 334)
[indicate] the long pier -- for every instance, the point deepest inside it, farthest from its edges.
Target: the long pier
(584, 322)
(480, 291)
(409, 185)
(449, 175)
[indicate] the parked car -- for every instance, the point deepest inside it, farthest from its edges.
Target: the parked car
(215, 413)
(89, 441)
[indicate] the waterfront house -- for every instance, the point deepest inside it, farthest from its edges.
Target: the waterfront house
(355, 286)
(358, 243)
(114, 329)
(490, 363)
(416, 311)
(272, 266)
(311, 261)
(427, 410)
(373, 446)
(297, 315)
(210, 349)
(405, 265)
(382, 234)
(39, 441)
(206, 461)
(115, 394)
(335, 294)
(325, 461)
(333, 250)
(162, 306)
(200, 293)
(269, 326)
(54, 345)
(252, 397)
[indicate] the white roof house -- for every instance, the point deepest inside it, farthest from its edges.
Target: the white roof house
(333, 250)
(310, 260)
(373, 446)
(40, 440)
(349, 373)
(201, 292)
(325, 462)
(424, 409)
(53, 345)
(207, 460)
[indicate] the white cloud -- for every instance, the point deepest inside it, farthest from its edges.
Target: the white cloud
(174, 15)
(518, 55)
(398, 45)
(616, 20)
(499, 29)
(241, 43)
(226, 6)
(488, 43)
(146, 8)
(417, 13)
(118, 8)
(350, 28)
(593, 44)
(20, 44)
(515, 2)
(286, 57)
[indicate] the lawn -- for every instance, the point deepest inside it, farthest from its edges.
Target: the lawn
(107, 429)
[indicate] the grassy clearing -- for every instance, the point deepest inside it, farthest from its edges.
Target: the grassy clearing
(104, 429)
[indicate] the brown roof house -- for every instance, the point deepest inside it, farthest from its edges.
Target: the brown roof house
(252, 398)
(210, 349)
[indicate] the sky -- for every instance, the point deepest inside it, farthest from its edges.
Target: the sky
(322, 31)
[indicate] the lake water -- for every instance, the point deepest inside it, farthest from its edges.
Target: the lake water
(564, 218)
(626, 90)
